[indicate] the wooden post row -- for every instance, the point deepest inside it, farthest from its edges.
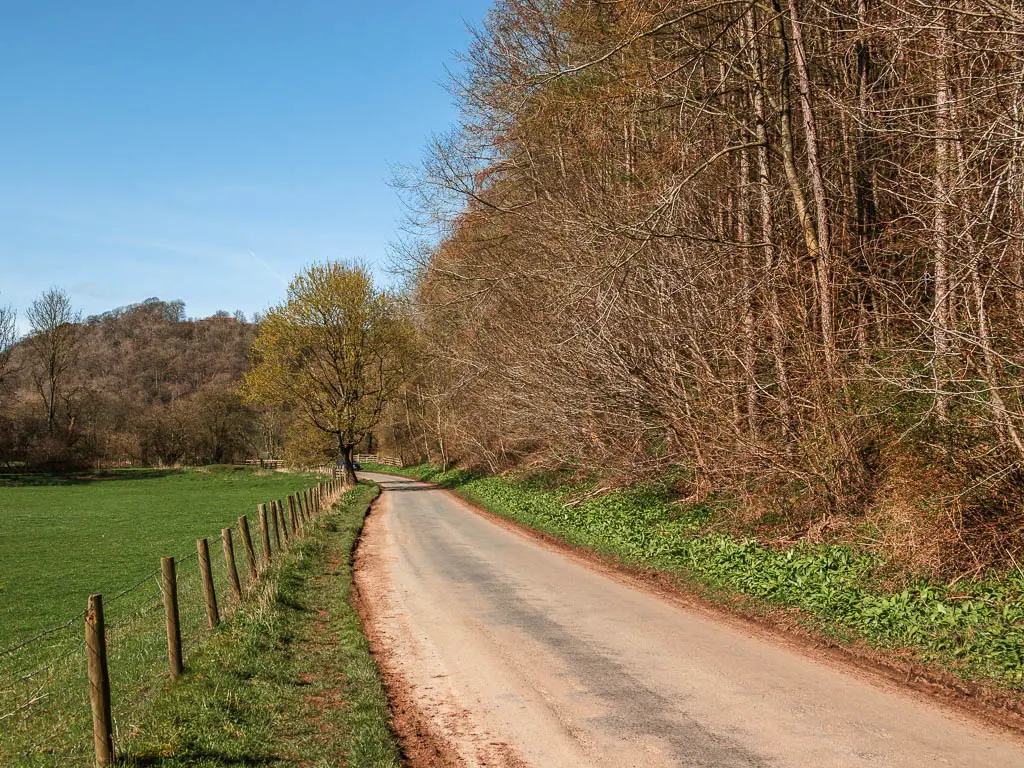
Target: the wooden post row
(99, 681)
(169, 587)
(250, 553)
(265, 535)
(229, 559)
(209, 595)
(95, 630)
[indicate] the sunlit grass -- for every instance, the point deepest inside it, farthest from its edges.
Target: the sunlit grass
(63, 538)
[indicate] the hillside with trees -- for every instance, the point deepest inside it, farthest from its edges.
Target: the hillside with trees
(772, 249)
(141, 384)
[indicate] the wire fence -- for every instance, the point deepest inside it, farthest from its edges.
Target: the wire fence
(45, 715)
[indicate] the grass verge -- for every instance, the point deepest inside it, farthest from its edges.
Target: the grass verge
(288, 681)
(974, 630)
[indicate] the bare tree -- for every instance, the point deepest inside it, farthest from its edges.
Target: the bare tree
(776, 244)
(8, 338)
(53, 341)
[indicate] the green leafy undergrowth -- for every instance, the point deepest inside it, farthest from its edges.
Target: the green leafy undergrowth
(975, 630)
(287, 682)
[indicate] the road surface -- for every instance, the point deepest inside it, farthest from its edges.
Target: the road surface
(515, 654)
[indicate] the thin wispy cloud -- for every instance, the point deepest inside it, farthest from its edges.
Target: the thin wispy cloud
(270, 269)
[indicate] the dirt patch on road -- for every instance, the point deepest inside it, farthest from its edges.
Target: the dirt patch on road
(434, 731)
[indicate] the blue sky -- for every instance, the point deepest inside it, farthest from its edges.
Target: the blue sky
(206, 151)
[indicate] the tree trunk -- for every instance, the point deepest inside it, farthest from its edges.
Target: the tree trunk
(348, 470)
(826, 305)
(787, 149)
(749, 354)
(774, 309)
(941, 224)
(864, 189)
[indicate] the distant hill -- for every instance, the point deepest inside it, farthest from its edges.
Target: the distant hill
(148, 385)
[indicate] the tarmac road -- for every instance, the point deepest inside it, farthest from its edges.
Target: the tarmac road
(504, 652)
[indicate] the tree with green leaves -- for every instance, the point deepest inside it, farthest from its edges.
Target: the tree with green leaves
(332, 353)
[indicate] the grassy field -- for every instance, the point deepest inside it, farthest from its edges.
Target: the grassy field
(63, 538)
(974, 629)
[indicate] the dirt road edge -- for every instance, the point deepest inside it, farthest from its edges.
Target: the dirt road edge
(422, 746)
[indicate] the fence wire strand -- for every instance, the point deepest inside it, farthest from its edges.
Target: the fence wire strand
(42, 635)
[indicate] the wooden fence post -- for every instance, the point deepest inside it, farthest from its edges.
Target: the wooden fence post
(265, 535)
(229, 558)
(209, 595)
(250, 553)
(284, 521)
(291, 513)
(99, 681)
(170, 590)
(277, 529)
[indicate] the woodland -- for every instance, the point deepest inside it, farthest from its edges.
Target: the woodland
(138, 385)
(772, 250)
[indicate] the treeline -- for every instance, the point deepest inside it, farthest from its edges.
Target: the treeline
(141, 384)
(774, 247)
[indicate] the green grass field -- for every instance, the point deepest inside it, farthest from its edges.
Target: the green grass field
(63, 538)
